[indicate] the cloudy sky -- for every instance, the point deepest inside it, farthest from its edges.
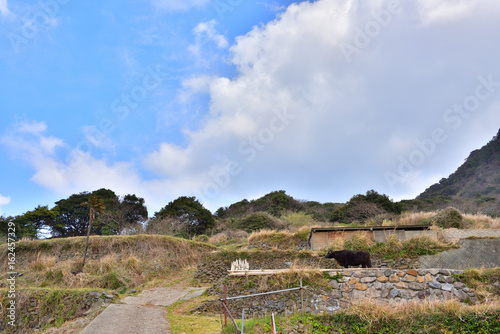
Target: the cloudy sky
(232, 99)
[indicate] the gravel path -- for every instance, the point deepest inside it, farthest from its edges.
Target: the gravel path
(144, 313)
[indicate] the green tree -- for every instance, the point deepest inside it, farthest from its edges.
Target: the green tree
(123, 216)
(73, 217)
(135, 209)
(190, 213)
(362, 207)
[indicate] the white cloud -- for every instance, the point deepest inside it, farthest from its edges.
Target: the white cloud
(32, 127)
(440, 11)
(61, 168)
(4, 200)
(65, 170)
(206, 35)
(352, 120)
(4, 9)
(207, 30)
(178, 5)
(97, 138)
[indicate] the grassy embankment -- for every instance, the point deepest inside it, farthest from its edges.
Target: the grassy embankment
(49, 293)
(370, 317)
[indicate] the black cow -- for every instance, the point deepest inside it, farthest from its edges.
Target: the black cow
(348, 258)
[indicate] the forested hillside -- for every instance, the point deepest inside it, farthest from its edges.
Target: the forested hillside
(475, 184)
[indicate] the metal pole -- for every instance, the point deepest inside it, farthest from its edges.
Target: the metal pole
(302, 296)
(225, 306)
(263, 293)
(273, 325)
(242, 320)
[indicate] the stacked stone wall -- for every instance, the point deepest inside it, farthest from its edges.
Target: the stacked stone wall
(344, 288)
(214, 266)
(399, 285)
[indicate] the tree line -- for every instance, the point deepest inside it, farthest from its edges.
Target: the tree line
(183, 217)
(111, 215)
(70, 217)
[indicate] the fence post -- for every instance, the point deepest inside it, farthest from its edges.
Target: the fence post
(225, 313)
(273, 325)
(302, 296)
(242, 319)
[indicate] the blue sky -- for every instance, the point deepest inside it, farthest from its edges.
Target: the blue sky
(231, 99)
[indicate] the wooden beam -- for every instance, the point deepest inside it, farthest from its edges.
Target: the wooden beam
(285, 271)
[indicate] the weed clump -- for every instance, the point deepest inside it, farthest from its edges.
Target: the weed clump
(449, 218)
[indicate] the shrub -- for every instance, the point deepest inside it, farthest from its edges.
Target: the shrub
(449, 218)
(359, 241)
(111, 281)
(296, 220)
(259, 221)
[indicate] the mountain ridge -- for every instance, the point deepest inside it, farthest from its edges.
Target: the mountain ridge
(477, 178)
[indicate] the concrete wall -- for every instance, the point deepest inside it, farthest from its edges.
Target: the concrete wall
(450, 235)
(473, 253)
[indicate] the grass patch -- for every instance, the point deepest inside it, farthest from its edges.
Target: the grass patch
(184, 321)
(47, 307)
(298, 220)
(113, 262)
(393, 247)
(482, 280)
(265, 239)
(370, 317)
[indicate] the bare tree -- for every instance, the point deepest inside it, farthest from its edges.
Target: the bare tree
(95, 204)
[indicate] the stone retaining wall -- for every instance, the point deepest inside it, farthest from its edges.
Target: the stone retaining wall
(214, 266)
(399, 285)
(38, 308)
(344, 287)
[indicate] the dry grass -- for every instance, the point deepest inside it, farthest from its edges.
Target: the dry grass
(470, 221)
(228, 236)
(480, 221)
(278, 239)
(337, 244)
(42, 262)
(113, 261)
(416, 218)
(373, 312)
(482, 280)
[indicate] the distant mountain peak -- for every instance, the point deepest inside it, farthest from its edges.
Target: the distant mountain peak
(478, 177)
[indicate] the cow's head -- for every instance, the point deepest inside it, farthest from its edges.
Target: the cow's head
(331, 254)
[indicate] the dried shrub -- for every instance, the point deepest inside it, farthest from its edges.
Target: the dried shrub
(449, 218)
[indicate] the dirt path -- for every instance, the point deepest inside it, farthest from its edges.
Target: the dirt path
(144, 313)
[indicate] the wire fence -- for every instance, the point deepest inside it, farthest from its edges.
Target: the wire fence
(226, 313)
